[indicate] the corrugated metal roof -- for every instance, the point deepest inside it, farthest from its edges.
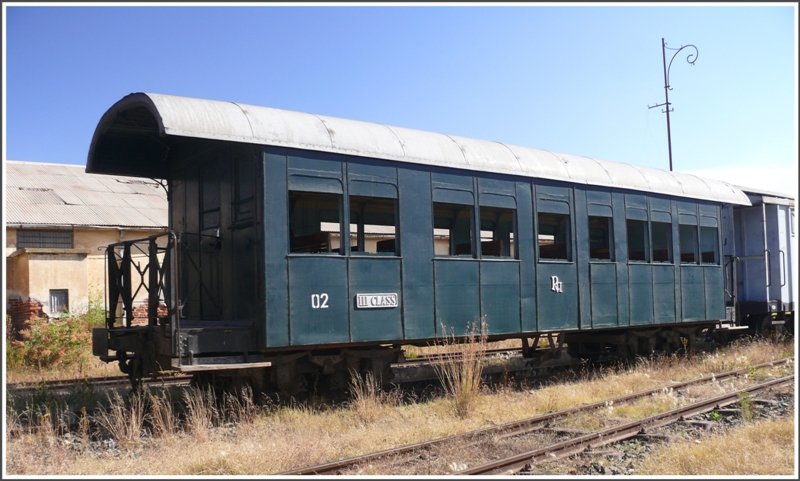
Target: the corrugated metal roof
(65, 195)
(210, 119)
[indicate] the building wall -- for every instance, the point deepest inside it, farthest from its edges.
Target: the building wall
(32, 273)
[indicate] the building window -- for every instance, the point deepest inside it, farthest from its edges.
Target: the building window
(497, 232)
(373, 223)
(637, 240)
(661, 241)
(59, 300)
(52, 239)
(452, 229)
(315, 223)
(709, 242)
(554, 236)
(600, 244)
(688, 240)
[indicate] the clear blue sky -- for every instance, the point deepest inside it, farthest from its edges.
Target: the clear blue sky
(571, 79)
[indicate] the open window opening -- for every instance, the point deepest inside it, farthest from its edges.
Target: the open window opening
(661, 240)
(637, 240)
(553, 236)
(452, 229)
(497, 232)
(373, 226)
(600, 238)
(709, 245)
(688, 240)
(315, 222)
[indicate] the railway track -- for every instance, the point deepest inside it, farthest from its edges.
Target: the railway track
(575, 443)
(64, 385)
(618, 433)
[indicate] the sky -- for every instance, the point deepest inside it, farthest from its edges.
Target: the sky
(573, 79)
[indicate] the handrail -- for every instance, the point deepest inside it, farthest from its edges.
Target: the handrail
(128, 277)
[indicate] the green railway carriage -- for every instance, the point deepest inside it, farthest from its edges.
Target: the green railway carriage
(304, 242)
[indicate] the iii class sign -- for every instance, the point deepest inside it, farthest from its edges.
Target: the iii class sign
(385, 300)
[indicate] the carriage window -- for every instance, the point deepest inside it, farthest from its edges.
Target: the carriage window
(637, 240)
(497, 232)
(314, 222)
(661, 241)
(373, 227)
(554, 236)
(452, 229)
(688, 239)
(600, 238)
(709, 241)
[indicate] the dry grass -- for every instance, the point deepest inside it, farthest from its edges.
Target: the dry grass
(369, 401)
(124, 420)
(94, 368)
(239, 437)
(764, 448)
(459, 370)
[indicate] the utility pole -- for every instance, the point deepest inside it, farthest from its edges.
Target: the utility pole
(690, 58)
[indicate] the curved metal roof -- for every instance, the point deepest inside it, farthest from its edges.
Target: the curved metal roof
(230, 121)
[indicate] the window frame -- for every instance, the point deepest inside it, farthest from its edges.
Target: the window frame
(566, 223)
(510, 241)
(359, 221)
(452, 238)
(696, 252)
(670, 244)
(716, 260)
(316, 238)
(645, 248)
(609, 238)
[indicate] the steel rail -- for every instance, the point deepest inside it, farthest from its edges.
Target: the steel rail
(61, 384)
(518, 427)
(621, 432)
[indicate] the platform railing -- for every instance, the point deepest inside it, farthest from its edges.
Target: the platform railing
(140, 275)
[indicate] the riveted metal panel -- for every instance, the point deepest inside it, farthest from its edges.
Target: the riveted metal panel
(693, 293)
(276, 245)
(500, 295)
(664, 294)
(557, 310)
(603, 294)
(416, 228)
(641, 293)
(525, 254)
(456, 286)
(318, 300)
(714, 292)
(380, 275)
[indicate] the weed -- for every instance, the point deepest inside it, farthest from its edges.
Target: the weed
(201, 413)
(123, 421)
(162, 414)
(460, 370)
(746, 405)
(714, 416)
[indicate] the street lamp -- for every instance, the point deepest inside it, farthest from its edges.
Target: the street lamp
(690, 58)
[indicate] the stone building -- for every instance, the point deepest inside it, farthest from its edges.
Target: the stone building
(58, 221)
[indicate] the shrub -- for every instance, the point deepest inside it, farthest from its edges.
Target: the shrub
(63, 342)
(96, 313)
